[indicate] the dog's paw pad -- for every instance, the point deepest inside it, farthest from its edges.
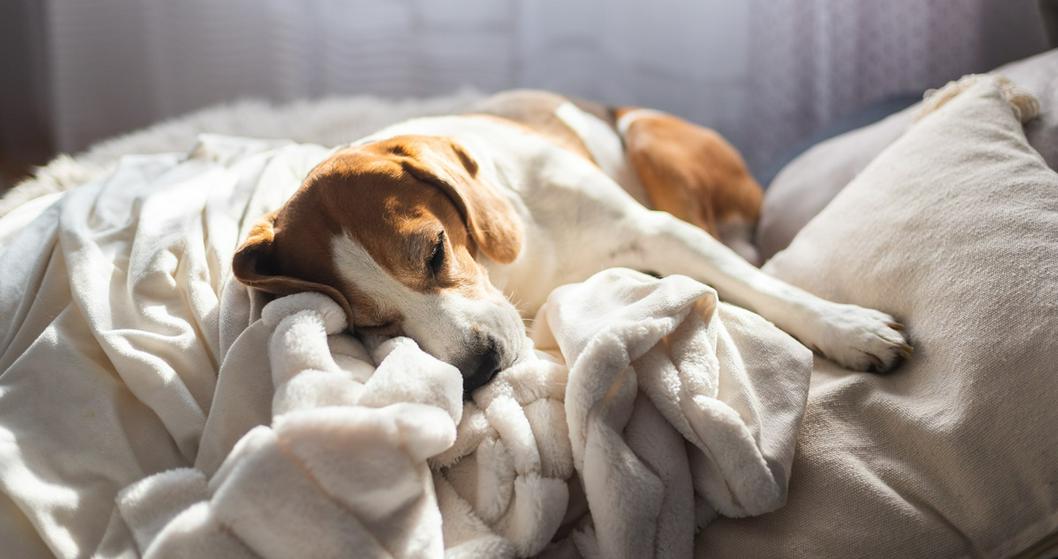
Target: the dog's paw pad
(861, 339)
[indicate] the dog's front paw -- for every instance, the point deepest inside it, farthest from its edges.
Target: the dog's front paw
(859, 339)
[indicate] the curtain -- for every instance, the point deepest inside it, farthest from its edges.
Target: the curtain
(765, 73)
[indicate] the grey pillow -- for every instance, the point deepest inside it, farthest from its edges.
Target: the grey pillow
(808, 183)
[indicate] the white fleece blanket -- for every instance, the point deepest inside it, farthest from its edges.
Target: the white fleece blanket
(149, 405)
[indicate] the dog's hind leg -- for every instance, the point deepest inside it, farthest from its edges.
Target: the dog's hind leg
(694, 174)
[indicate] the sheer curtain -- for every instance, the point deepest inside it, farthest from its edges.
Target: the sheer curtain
(763, 72)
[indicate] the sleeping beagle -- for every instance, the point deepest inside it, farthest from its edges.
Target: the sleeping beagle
(450, 229)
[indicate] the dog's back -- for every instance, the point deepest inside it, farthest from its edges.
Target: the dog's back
(664, 162)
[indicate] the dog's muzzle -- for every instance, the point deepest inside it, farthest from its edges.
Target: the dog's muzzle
(481, 366)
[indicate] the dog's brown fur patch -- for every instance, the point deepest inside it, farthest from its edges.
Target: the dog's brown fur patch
(394, 197)
(690, 172)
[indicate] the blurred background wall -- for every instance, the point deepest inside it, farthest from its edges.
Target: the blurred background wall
(765, 73)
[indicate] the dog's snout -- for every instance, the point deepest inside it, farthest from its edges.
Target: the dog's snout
(481, 367)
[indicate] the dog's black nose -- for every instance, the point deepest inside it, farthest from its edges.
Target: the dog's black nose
(482, 367)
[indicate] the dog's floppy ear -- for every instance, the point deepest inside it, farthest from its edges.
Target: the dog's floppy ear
(255, 264)
(490, 219)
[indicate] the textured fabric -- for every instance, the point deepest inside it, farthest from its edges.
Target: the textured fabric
(150, 404)
(341, 464)
(808, 183)
(671, 397)
(330, 122)
(111, 333)
(951, 229)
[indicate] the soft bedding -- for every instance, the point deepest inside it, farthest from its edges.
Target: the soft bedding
(199, 422)
(954, 229)
(150, 404)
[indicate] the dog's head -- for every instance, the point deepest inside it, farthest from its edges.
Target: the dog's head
(393, 231)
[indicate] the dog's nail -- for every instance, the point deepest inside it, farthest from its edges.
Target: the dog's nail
(895, 326)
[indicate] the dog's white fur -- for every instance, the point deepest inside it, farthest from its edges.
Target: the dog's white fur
(578, 220)
(443, 323)
(840, 331)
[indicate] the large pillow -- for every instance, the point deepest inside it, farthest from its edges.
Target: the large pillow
(810, 181)
(953, 229)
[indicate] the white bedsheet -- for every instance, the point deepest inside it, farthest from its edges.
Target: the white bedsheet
(147, 407)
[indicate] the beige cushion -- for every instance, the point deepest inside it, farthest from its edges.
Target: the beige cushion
(954, 229)
(810, 181)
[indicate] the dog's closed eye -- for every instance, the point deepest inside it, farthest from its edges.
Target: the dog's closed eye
(436, 261)
(383, 330)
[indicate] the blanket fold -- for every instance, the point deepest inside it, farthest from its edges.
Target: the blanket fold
(654, 363)
(150, 405)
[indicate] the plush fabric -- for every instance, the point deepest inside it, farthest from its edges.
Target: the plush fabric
(671, 397)
(953, 229)
(150, 404)
(808, 183)
(330, 121)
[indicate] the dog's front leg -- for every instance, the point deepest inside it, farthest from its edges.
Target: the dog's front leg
(856, 337)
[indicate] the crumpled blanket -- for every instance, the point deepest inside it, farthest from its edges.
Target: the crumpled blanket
(671, 397)
(150, 405)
